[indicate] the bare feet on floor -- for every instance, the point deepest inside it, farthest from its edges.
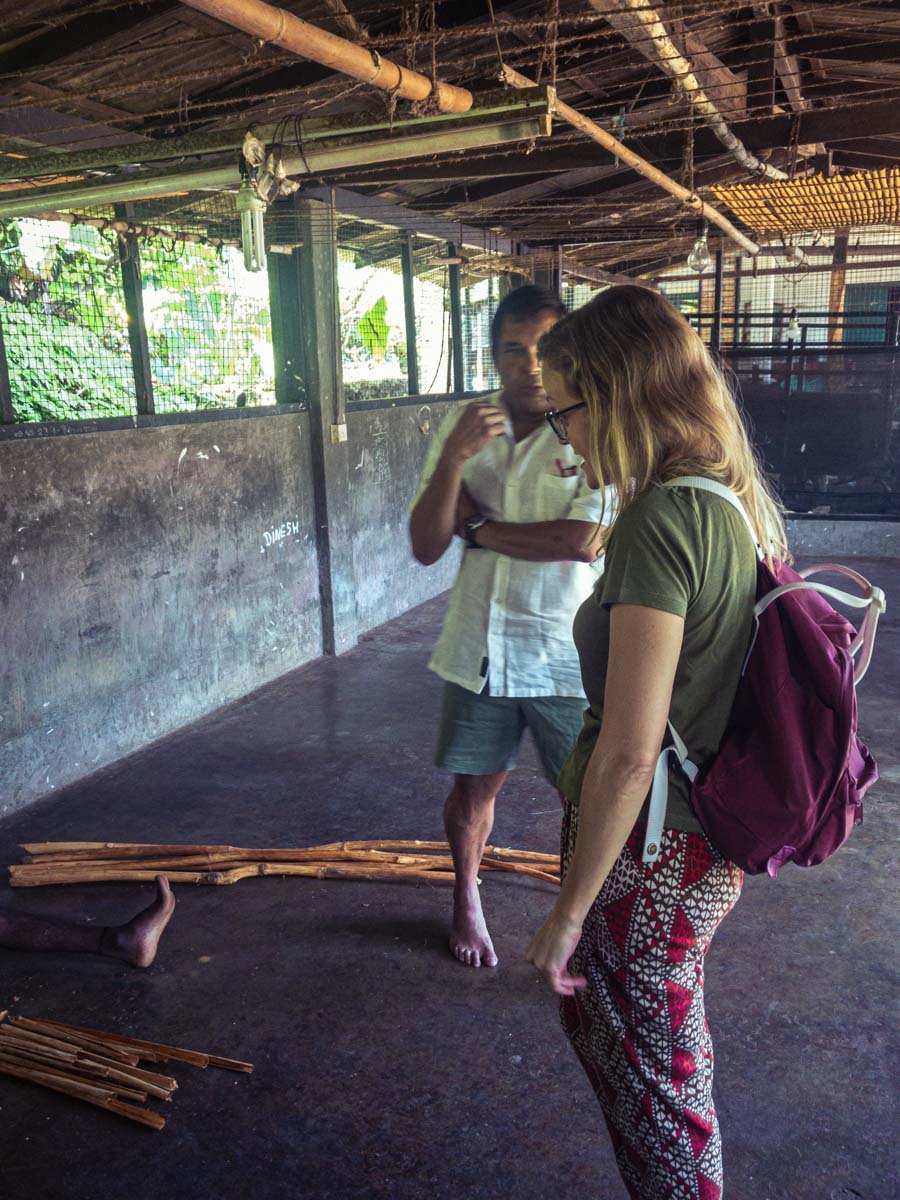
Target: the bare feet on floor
(470, 941)
(137, 940)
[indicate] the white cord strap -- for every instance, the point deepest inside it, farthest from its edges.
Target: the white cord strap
(701, 484)
(873, 601)
(659, 793)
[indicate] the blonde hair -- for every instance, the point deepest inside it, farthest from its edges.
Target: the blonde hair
(658, 406)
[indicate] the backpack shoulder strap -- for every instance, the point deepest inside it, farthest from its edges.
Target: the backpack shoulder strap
(701, 484)
(659, 793)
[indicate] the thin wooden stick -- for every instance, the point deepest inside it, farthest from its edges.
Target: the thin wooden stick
(38, 1062)
(98, 1055)
(194, 1057)
(101, 1098)
(20, 876)
(76, 1040)
(46, 852)
(488, 864)
(373, 859)
(230, 1064)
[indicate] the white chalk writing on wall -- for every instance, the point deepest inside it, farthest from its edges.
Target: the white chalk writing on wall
(279, 533)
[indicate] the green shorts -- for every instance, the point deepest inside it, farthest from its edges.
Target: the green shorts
(479, 734)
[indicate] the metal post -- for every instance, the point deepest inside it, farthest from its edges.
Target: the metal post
(700, 306)
(328, 432)
(801, 369)
(287, 342)
(458, 377)
(7, 412)
(892, 327)
(715, 336)
(738, 274)
(788, 366)
(409, 308)
(133, 293)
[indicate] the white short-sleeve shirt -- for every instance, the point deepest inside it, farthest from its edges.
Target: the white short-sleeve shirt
(511, 620)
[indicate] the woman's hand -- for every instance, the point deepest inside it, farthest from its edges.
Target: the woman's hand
(552, 947)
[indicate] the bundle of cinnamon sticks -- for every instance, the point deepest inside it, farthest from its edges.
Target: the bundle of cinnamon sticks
(98, 1068)
(117, 862)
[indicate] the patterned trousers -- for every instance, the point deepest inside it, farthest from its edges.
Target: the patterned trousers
(639, 1027)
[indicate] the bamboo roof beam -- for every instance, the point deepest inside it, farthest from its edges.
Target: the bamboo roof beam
(642, 27)
(345, 20)
(787, 67)
(626, 155)
(281, 28)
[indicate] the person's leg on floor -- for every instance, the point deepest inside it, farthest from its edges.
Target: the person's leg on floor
(468, 820)
(478, 738)
(133, 942)
(639, 1027)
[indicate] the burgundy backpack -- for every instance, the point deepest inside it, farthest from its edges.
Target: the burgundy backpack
(788, 779)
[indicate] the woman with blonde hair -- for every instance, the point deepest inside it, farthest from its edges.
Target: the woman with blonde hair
(662, 639)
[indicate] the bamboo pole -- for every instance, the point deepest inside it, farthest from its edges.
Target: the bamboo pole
(643, 28)
(626, 155)
(120, 850)
(137, 229)
(373, 859)
(282, 28)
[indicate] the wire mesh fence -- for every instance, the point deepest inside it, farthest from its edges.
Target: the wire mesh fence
(479, 300)
(64, 322)
(374, 356)
(842, 291)
(826, 423)
(431, 298)
(577, 294)
(65, 313)
(209, 329)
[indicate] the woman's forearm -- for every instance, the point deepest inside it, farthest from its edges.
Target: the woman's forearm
(612, 794)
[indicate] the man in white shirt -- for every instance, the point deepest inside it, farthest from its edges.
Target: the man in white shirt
(497, 477)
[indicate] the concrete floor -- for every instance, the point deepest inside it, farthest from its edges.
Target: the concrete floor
(384, 1069)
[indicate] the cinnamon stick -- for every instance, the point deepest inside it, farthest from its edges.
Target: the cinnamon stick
(193, 1057)
(38, 1062)
(75, 1040)
(100, 1097)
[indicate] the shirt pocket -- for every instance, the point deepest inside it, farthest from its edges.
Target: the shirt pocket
(552, 497)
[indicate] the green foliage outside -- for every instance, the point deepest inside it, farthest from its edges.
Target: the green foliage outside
(66, 333)
(373, 333)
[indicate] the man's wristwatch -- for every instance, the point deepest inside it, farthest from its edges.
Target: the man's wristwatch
(471, 525)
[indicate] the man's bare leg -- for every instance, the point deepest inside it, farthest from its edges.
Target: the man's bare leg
(468, 819)
(134, 942)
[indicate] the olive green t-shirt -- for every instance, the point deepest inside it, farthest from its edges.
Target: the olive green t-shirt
(686, 552)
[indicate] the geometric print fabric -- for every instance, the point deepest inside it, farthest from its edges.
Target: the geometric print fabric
(639, 1027)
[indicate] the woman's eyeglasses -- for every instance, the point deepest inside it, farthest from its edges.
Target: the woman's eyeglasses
(556, 419)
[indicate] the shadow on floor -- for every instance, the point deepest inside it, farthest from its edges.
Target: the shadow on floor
(384, 1069)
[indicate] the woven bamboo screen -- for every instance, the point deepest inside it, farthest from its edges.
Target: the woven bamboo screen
(800, 205)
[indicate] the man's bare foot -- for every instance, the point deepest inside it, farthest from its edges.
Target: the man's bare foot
(470, 941)
(137, 940)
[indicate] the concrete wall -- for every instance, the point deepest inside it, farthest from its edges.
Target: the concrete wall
(387, 453)
(148, 576)
(828, 539)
